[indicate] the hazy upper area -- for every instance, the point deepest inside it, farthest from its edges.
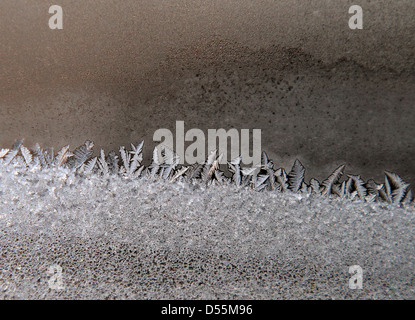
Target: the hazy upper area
(119, 70)
(118, 41)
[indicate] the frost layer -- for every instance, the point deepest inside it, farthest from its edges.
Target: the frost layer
(123, 238)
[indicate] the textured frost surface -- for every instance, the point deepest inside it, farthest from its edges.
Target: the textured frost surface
(124, 238)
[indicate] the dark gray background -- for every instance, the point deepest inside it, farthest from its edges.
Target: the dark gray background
(119, 70)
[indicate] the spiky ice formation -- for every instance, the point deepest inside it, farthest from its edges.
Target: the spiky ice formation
(262, 177)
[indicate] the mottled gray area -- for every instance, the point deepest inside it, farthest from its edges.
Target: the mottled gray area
(117, 238)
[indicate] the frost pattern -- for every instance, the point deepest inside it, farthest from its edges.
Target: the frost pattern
(126, 235)
(164, 166)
